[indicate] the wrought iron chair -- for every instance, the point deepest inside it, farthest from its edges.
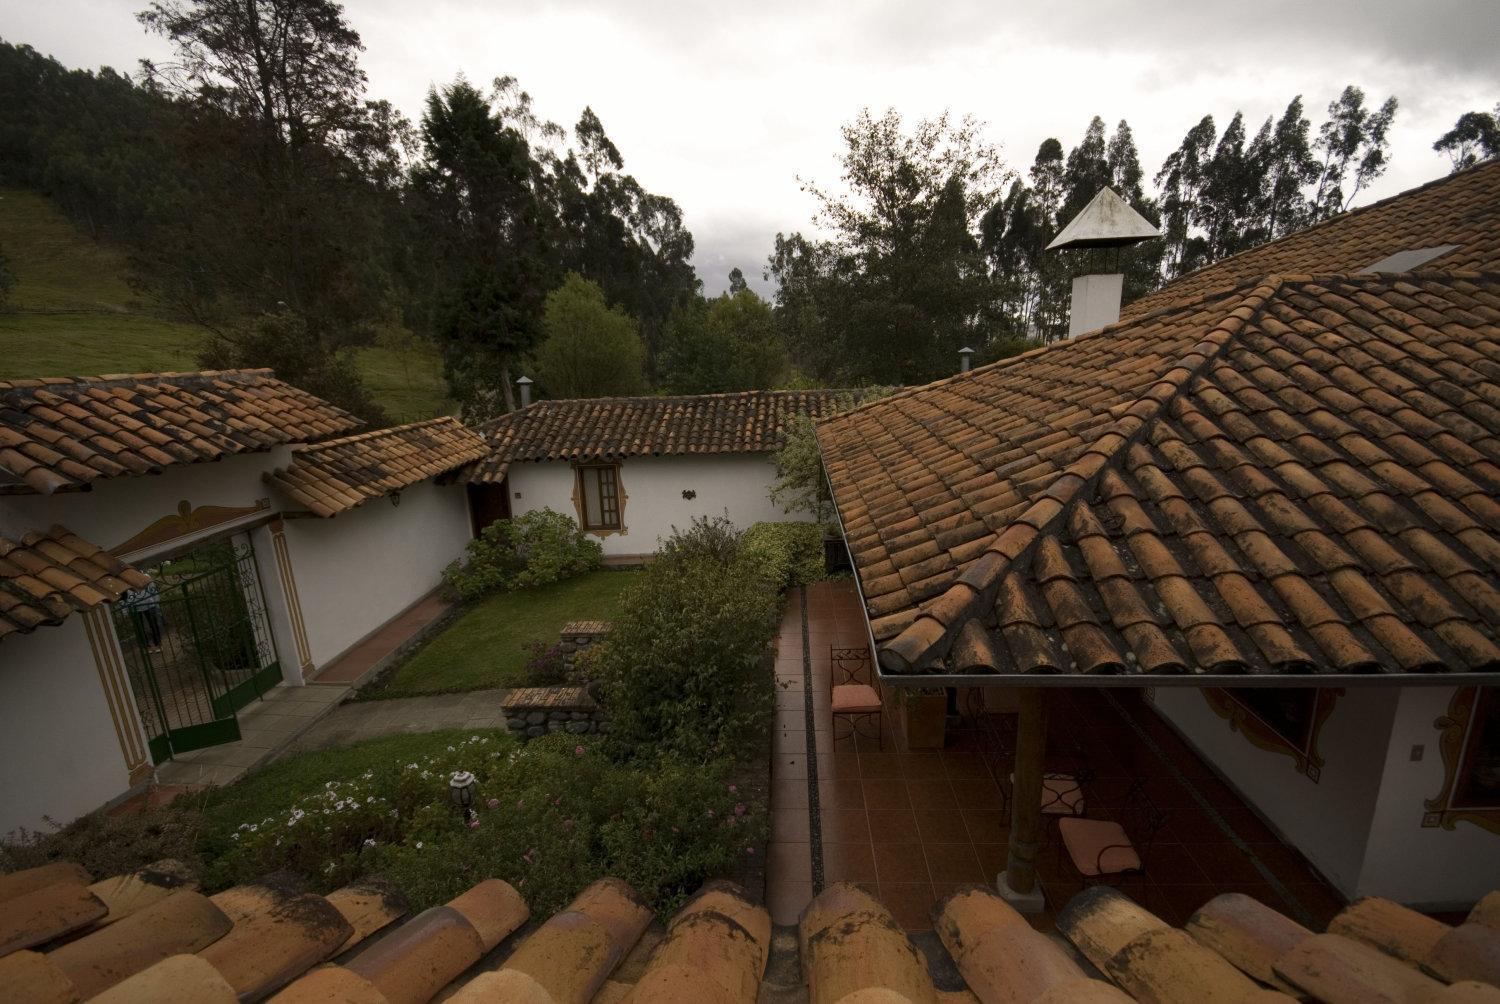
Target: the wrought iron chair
(853, 699)
(1105, 848)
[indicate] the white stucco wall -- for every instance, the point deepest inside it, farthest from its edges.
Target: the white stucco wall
(1328, 820)
(361, 568)
(653, 487)
(1423, 866)
(59, 752)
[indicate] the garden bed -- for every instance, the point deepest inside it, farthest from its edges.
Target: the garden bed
(486, 645)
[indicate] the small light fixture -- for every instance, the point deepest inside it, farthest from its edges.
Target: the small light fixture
(461, 788)
(689, 494)
(395, 500)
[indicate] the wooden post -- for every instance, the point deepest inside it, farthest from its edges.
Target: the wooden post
(1026, 803)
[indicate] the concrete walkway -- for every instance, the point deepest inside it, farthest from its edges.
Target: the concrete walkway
(267, 727)
(360, 720)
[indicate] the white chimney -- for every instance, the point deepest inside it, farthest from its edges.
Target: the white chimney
(1106, 222)
(525, 384)
(965, 354)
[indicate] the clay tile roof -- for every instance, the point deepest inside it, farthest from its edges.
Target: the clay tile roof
(44, 577)
(1462, 209)
(63, 939)
(335, 476)
(611, 428)
(63, 433)
(1298, 476)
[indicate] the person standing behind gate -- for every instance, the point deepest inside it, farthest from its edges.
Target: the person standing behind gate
(146, 601)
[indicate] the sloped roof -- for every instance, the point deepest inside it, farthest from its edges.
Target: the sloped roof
(1462, 209)
(64, 433)
(44, 577)
(1301, 476)
(615, 427)
(150, 935)
(335, 476)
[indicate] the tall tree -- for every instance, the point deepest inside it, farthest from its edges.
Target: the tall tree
(1353, 144)
(1180, 181)
(729, 343)
(476, 181)
(1226, 208)
(590, 349)
(1475, 137)
(1282, 155)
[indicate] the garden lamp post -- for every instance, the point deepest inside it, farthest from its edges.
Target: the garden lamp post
(461, 789)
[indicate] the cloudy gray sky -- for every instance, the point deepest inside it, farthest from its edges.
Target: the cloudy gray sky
(722, 106)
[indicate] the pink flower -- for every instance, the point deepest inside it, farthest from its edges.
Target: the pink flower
(578, 751)
(710, 813)
(749, 850)
(739, 809)
(494, 803)
(733, 788)
(557, 800)
(474, 823)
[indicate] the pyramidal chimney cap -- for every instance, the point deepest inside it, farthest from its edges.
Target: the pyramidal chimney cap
(1106, 222)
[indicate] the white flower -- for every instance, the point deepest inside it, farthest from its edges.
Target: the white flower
(419, 845)
(254, 827)
(369, 842)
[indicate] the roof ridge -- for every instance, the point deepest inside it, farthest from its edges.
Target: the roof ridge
(120, 379)
(723, 394)
(302, 448)
(1329, 221)
(934, 630)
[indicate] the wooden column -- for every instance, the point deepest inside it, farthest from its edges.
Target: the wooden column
(1026, 793)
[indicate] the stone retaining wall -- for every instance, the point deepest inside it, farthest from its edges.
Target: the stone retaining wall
(533, 712)
(579, 637)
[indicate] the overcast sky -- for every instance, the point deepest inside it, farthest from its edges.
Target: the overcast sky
(722, 106)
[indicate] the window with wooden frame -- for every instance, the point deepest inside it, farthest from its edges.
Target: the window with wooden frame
(1278, 719)
(1470, 744)
(599, 498)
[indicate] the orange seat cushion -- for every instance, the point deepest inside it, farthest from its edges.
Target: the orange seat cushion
(855, 697)
(1085, 839)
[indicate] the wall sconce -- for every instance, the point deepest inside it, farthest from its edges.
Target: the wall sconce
(689, 494)
(395, 500)
(461, 789)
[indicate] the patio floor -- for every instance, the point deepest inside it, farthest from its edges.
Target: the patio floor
(914, 826)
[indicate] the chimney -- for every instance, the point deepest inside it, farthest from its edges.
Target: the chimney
(525, 384)
(964, 355)
(1106, 222)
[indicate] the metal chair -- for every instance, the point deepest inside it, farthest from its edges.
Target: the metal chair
(1105, 848)
(852, 699)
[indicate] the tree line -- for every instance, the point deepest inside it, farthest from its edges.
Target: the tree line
(261, 192)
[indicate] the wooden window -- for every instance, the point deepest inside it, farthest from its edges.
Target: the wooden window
(599, 496)
(1278, 719)
(1470, 744)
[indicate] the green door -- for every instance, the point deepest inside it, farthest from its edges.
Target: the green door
(197, 646)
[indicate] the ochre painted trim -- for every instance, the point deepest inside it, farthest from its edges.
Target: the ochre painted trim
(621, 497)
(1455, 735)
(1260, 733)
(187, 520)
(117, 693)
(293, 601)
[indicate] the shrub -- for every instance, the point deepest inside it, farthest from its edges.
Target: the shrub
(683, 670)
(109, 845)
(790, 553)
(544, 665)
(534, 549)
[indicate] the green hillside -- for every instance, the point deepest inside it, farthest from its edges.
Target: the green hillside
(72, 313)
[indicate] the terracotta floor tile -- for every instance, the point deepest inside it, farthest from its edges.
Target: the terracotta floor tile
(977, 793)
(839, 765)
(885, 794)
(941, 827)
(1186, 899)
(788, 768)
(848, 862)
(789, 718)
(843, 745)
(987, 827)
(893, 827)
(910, 903)
(1169, 863)
(840, 793)
(955, 862)
(790, 700)
(965, 765)
(792, 741)
(845, 825)
(900, 863)
(789, 825)
(879, 765)
(921, 766)
(931, 794)
(992, 858)
(1224, 863)
(787, 900)
(788, 862)
(789, 795)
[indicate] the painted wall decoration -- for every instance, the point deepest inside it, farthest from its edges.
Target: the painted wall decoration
(1470, 745)
(1279, 719)
(188, 520)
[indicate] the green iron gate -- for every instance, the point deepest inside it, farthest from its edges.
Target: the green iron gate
(197, 646)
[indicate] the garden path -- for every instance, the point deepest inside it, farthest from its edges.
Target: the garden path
(360, 720)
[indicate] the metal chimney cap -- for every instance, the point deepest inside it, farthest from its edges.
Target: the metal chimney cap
(1106, 222)
(966, 351)
(526, 381)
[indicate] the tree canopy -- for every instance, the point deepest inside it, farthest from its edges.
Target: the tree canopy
(590, 349)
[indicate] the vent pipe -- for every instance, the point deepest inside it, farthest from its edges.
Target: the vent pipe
(964, 355)
(1106, 222)
(525, 384)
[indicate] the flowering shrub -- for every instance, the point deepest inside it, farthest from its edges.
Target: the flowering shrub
(552, 816)
(544, 665)
(534, 549)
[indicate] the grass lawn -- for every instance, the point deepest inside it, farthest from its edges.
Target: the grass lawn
(105, 326)
(483, 648)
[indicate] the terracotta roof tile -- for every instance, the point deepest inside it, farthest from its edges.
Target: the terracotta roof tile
(1250, 493)
(603, 948)
(335, 476)
(609, 428)
(1460, 209)
(46, 576)
(63, 433)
